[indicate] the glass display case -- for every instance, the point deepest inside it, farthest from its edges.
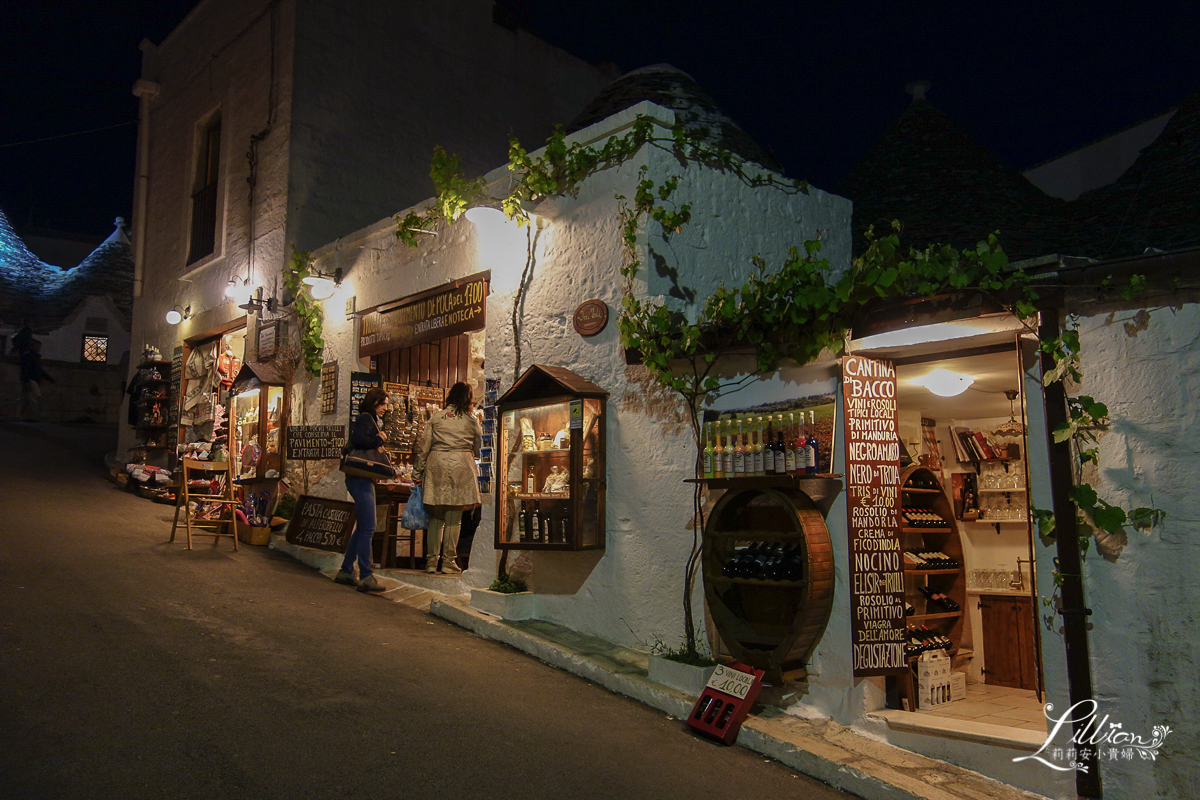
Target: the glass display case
(257, 415)
(551, 462)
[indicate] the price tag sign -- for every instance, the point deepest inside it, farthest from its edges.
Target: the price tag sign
(731, 681)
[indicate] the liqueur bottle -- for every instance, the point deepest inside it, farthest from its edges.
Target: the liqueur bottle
(780, 448)
(729, 451)
(708, 450)
(530, 481)
(789, 446)
(536, 524)
(739, 451)
(718, 453)
(798, 445)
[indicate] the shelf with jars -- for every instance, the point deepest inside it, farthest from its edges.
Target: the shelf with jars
(550, 462)
(151, 400)
(258, 411)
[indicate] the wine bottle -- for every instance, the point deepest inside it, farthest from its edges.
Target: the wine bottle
(769, 450)
(759, 463)
(530, 481)
(811, 446)
(708, 450)
(536, 524)
(739, 452)
(789, 444)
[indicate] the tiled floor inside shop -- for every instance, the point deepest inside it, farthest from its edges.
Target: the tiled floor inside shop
(996, 705)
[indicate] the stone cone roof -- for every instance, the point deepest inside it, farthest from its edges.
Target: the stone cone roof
(47, 294)
(945, 187)
(1156, 202)
(672, 88)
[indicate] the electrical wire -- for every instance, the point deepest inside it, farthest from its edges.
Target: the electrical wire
(68, 135)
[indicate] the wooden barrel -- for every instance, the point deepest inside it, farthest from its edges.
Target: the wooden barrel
(771, 621)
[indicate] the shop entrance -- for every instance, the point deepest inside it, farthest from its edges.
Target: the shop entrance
(967, 536)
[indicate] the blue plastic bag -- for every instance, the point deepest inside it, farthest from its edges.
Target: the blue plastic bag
(415, 517)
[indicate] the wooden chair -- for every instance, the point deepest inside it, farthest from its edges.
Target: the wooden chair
(223, 524)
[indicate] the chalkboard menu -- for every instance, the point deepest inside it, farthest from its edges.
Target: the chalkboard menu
(313, 442)
(360, 384)
(321, 523)
(877, 619)
(174, 399)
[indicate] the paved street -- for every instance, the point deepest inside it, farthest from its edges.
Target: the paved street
(133, 668)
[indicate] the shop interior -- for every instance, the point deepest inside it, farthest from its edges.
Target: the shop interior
(966, 530)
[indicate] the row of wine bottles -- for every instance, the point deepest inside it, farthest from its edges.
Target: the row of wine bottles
(922, 639)
(773, 561)
(535, 526)
(929, 559)
(752, 446)
(918, 517)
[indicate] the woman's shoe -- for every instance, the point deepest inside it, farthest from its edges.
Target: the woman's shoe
(345, 578)
(371, 584)
(449, 567)
(430, 565)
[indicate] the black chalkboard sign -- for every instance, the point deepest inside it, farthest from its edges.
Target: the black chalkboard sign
(360, 384)
(313, 442)
(321, 523)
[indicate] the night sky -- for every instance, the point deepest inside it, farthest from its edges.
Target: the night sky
(815, 83)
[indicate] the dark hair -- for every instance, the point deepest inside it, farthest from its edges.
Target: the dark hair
(461, 397)
(371, 400)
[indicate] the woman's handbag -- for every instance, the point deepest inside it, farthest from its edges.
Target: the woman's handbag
(373, 464)
(415, 517)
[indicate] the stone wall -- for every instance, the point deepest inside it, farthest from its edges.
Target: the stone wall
(81, 392)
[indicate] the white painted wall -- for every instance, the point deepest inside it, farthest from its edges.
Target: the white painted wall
(1143, 643)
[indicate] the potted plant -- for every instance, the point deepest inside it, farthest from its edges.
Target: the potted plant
(507, 598)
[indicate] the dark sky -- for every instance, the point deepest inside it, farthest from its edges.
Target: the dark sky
(814, 82)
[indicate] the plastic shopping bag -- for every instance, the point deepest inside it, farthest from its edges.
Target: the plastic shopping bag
(415, 517)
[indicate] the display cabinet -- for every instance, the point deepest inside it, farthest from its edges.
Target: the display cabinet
(551, 462)
(257, 414)
(152, 398)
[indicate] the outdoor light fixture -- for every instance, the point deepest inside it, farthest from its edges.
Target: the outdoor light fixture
(324, 284)
(256, 302)
(177, 314)
(485, 215)
(945, 383)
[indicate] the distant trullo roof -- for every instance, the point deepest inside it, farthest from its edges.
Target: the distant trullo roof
(672, 88)
(47, 294)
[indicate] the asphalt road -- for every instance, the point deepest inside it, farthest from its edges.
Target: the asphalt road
(133, 668)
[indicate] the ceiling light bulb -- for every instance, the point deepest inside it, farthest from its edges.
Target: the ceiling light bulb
(945, 383)
(174, 317)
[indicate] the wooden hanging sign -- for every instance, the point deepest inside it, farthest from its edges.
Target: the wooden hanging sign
(877, 620)
(591, 317)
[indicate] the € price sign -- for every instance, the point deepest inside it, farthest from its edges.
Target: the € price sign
(731, 681)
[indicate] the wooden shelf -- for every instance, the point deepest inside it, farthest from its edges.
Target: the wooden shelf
(540, 496)
(1000, 491)
(920, 491)
(540, 452)
(926, 530)
(940, 615)
(955, 571)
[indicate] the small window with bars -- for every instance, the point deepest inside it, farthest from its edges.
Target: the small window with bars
(95, 348)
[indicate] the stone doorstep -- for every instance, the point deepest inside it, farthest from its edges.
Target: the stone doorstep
(822, 749)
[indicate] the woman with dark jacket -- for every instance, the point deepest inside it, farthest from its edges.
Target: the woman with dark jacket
(446, 466)
(365, 434)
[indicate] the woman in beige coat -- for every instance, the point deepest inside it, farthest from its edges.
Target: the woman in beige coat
(446, 469)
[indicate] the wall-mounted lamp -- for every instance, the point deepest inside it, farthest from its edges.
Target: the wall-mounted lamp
(256, 302)
(485, 215)
(324, 284)
(238, 289)
(177, 314)
(945, 383)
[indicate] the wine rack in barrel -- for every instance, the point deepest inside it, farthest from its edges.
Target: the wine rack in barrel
(768, 569)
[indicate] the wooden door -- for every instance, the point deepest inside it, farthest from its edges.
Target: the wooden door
(1009, 647)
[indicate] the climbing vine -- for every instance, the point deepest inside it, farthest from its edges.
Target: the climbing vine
(308, 311)
(793, 312)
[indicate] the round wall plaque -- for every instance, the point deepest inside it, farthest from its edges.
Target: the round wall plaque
(591, 317)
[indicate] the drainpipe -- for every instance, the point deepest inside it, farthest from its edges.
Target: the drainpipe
(145, 91)
(1072, 608)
